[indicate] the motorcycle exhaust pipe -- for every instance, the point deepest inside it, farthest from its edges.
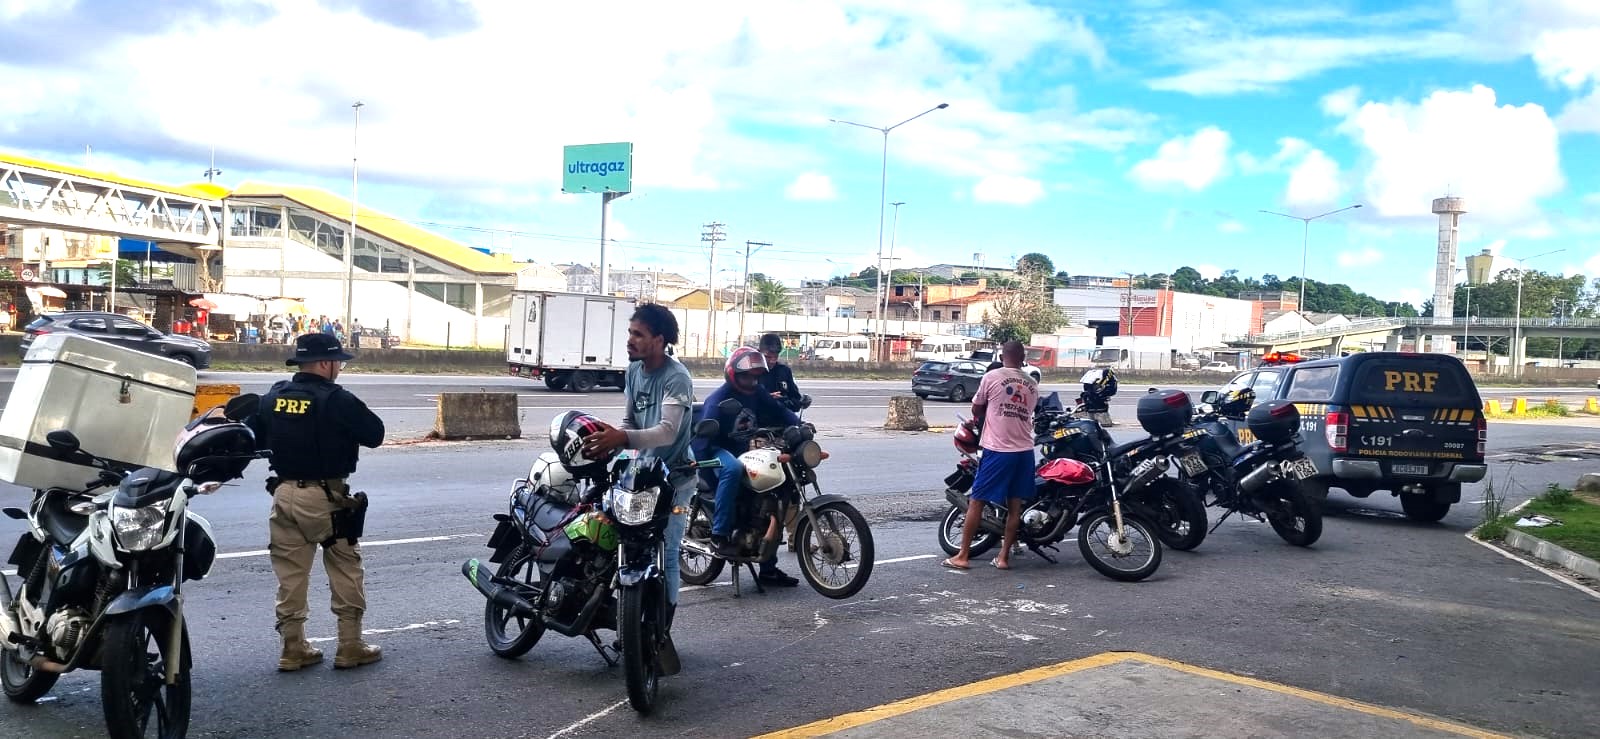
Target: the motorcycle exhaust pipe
(500, 595)
(1258, 478)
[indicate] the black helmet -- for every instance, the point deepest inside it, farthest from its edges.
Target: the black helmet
(567, 433)
(1236, 402)
(215, 450)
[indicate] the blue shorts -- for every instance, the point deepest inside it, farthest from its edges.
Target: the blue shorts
(1003, 475)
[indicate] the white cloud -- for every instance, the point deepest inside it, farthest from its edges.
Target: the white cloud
(1008, 189)
(1501, 158)
(1581, 115)
(1414, 296)
(1366, 257)
(1341, 102)
(1289, 149)
(811, 186)
(1191, 161)
(1231, 227)
(1314, 181)
(1569, 56)
(1591, 266)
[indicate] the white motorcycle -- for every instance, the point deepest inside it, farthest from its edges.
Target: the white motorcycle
(101, 576)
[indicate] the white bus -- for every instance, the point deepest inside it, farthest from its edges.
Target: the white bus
(841, 348)
(939, 348)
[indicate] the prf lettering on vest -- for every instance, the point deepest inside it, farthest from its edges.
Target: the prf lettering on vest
(291, 406)
(1411, 382)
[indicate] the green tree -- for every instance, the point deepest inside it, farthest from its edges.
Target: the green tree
(6, 273)
(127, 273)
(770, 297)
(1036, 262)
(1024, 310)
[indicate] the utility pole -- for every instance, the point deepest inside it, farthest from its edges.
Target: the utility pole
(744, 304)
(712, 234)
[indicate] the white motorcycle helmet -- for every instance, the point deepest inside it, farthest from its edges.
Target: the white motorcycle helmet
(548, 472)
(762, 471)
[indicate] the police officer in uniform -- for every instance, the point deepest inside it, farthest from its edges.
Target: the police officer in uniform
(314, 427)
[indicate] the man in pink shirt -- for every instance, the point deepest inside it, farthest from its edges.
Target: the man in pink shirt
(1003, 405)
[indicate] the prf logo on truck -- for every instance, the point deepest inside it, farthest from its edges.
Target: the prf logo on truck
(1410, 382)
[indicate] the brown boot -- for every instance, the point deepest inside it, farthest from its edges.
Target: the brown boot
(297, 652)
(353, 652)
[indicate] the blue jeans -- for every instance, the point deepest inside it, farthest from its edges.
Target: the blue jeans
(677, 523)
(729, 478)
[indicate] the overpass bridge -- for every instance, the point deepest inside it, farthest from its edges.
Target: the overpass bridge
(50, 195)
(1332, 339)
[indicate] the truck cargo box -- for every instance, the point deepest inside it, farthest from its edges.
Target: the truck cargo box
(124, 405)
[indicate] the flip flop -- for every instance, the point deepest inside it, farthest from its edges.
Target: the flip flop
(996, 564)
(952, 565)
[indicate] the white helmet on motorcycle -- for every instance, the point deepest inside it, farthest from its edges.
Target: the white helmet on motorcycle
(547, 471)
(762, 470)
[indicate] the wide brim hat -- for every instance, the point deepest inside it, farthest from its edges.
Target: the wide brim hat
(317, 347)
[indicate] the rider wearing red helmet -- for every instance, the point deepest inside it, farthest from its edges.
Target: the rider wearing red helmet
(758, 409)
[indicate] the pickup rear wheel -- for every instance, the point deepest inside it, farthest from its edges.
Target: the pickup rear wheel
(1422, 508)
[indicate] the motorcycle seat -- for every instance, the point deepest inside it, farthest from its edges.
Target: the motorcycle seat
(58, 520)
(1123, 448)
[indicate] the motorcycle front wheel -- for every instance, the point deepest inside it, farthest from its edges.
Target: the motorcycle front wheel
(1181, 515)
(1291, 513)
(695, 568)
(950, 535)
(642, 627)
(1133, 556)
(133, 689)
(509, 634)
(835, 557)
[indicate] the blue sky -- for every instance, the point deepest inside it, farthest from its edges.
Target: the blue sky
(1113, 136)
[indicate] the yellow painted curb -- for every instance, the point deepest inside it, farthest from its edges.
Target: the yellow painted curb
(983, 687)
(1491, 407)
(1591, 404)
(1519, 406)
(207, 397)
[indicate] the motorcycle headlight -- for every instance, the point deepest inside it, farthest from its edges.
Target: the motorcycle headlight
(633, 508)
(139, 529)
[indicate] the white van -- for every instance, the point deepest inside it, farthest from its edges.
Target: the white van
(941, 349)
(841, 349)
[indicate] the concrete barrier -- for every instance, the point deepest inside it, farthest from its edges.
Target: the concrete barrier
(1519, 406)
(1591, 404)
(905, 414)
(208, 396)
(477, 416)
(1491, 407)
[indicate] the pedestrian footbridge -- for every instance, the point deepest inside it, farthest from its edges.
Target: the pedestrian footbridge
(50, 195)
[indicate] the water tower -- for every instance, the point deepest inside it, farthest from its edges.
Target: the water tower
(1449, 210)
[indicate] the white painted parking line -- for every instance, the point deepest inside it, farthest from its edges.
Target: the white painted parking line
(407, 627)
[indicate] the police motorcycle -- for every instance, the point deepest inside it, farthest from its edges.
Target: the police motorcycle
(829, 536)
(1262, 479)
(1115, 533)
(1174, 508)
(102, 575)
(580, 551)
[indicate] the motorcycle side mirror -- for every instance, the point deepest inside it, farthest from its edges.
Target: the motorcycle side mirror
(64, 442)
(730, 406)
(241, 407)
(707, 429)
(1209, 396)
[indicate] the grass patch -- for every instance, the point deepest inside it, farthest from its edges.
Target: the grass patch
(1493, 515)
(1550, 409)
(1580, 519)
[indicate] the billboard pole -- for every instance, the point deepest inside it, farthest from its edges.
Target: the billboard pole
(603, 168)
(605, 211)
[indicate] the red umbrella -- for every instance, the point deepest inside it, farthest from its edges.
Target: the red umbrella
(203, 304)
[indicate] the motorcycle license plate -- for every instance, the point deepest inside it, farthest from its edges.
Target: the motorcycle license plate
(1192, 464)
(1299, 469)
(1409, 469)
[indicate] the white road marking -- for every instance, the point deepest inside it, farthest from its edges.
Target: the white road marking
(591, 717)
(385, 543)
(407, 627)
(1552, 574)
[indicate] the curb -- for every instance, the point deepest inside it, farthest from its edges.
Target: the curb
(1549, 552)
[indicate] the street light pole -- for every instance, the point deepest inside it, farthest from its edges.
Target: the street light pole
(745, 303)
(1305, 248)
(350, 238)
(883, 190)
(888, 270)
(1516, 349)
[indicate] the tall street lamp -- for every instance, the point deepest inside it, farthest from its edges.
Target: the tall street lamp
(888, 269)
(883, 187)
(1517, 349)
(350, 238)
(1305, 243)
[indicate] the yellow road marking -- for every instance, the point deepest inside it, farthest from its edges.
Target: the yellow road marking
(899, 708)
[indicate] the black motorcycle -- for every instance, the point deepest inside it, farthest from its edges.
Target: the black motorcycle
(1172, 506)
(583, 558)
(1260, 480)
(102, 575)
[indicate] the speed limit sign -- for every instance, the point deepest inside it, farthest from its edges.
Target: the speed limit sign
(27, 274)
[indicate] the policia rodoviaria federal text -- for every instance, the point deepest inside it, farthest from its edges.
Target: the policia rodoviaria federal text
(315, 428)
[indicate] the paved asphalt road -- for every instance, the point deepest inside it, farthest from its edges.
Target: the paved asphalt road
(1414, 617)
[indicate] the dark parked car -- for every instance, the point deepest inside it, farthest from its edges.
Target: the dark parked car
(1410, 424)
(120, 330)
(954, 380)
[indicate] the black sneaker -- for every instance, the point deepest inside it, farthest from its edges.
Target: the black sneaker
(775, 576)
(721, 547)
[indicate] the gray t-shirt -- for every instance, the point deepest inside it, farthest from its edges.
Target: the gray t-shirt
(648, 394)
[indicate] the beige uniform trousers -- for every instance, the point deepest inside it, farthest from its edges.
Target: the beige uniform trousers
(302, 518)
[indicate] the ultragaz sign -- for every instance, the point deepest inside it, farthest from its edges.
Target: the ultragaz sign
(597, 168)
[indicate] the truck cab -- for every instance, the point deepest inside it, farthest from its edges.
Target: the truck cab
(1407, 423)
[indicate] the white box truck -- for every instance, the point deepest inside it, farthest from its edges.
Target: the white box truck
(575, 341)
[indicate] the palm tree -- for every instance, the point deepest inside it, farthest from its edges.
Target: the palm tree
(771, 297)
